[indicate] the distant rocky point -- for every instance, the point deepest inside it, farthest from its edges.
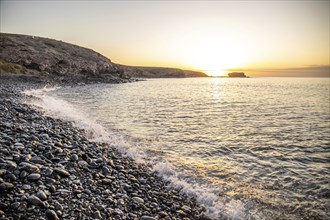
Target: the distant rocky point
(51, 59)
(159, 72)
(236, 74)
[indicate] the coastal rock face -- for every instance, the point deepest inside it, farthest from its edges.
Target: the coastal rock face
(47, 57)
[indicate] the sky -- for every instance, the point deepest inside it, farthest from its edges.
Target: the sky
(266, 38)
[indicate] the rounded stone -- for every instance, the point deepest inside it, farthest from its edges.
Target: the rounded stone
(51, 215)
(74, 157)
(33, 177)
(61, 172)
(147, 218)
(42, 195)
(26, 187)
(6, 186)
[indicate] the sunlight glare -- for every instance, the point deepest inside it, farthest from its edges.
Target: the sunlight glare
(215, 54)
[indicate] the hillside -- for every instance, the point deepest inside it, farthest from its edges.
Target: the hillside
(55, 59)
(48, 58)
(158, 72)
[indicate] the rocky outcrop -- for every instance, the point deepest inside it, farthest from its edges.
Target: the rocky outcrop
(236, 74)
(56, 59)
(159, 72)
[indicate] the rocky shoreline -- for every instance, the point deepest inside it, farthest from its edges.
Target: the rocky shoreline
(49, 170)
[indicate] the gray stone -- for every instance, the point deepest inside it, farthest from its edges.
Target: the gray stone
(33, 177)
(29, 167)
(186, 208)
(26, 187)
(147, 218)
(35, 200)
(38, 160)
(138, 200)
(107, 181)
(61, 172)
(6, 186)
(97, 215)
(23, 174)
(11, 165)
(74, 157)
(51, 215)
(42, 195)
(22, 207)
(83, 164)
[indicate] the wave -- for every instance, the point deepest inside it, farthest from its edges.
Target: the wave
(217, 207)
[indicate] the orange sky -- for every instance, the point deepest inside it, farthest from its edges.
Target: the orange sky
(259, 37)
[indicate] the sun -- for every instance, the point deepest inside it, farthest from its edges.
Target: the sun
(215, 72)
(218, 58)
(215, 56)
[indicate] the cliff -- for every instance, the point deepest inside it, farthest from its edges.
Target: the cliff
(57, 60)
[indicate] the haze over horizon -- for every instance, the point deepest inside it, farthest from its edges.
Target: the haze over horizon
(261, 38)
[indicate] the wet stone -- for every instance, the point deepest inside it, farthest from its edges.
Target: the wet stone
(107, 181)
(35, 200)
(6, 186)
(42, 195)
(74, 157)
(61, 172)
(11, 165)
(26, 187)
(48, 172)
(186, 208)
(51, 215)
(23, 174)
(38, 160)
(11, 176)
(97, 215)
(33, 177)
(22, 207)
(29, 167)
(147, 218)
(2, 172)
(83, 164)
(138, 200)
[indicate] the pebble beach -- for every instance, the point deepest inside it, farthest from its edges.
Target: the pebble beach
(50, 170)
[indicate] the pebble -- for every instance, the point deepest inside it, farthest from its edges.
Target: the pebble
(26, 187)
(61, 172)
(147, 218)
(97, 215)
(83, 164)
(51, 215)
(74, 157)
(35, 200)
(138, 200)
(42, 195)
(6, 186)
(33, 177)
(29, 167)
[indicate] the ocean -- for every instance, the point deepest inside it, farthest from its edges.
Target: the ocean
(245, 148)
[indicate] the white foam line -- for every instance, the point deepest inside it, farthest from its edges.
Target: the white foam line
(204, 195)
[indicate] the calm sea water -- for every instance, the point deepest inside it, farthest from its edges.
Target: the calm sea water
(254, 148)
